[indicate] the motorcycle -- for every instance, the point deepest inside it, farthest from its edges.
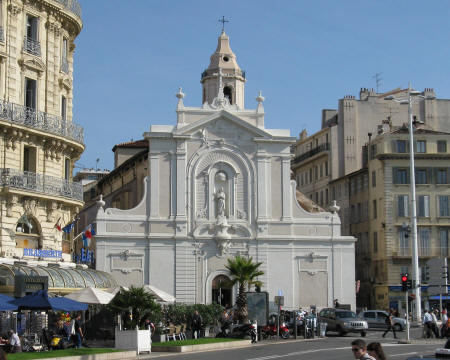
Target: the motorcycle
(271, 330)
(240, 331)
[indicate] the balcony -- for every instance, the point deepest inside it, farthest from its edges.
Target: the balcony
(43, 184)
(64, 66)
(22, 115)
(311, 153)
(71, 5)
(31, 46)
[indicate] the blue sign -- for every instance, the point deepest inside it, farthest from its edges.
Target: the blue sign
(42, 253)
(85, 256)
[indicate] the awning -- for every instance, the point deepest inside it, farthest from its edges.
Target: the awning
(91, 296)
(159, 295)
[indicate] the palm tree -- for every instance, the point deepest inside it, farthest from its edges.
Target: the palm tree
(244, 272)
(135, 305)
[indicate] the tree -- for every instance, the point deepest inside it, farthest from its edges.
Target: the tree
(135, 306)
(245, 273)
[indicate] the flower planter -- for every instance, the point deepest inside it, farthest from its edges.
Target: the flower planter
(139, 340)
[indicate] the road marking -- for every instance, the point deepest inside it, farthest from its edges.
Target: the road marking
(410, 353)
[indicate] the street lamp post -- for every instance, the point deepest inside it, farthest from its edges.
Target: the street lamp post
(412, 94)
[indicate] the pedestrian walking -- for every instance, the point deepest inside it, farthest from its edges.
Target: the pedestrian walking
(376, 351)
(434, 325)
(197, 322)
(444, 326)
(390, 325)
(359, 349)
(427, 321)
(78, 331)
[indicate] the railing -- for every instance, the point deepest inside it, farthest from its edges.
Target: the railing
(64, 65)
(49, 185)
(2, 34)
(31, 46)
(39, 120)
(71, 5)
(312, 152)
(225, 74)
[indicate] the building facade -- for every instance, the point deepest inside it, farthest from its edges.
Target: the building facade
(40, 141)
(219, 185)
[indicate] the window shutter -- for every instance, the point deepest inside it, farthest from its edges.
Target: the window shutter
(429, 175)
(394, 175)
(407, 146)
(394, 146)
(408, 176)
(406, 204)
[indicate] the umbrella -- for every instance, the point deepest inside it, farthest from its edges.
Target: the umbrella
(5, 304)
(91, 295)
(117, 289)
(160, 295)
(39, 300)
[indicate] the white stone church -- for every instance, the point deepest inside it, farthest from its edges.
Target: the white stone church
(219, 185)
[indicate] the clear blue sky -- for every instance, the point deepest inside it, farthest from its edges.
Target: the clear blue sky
(132, 55)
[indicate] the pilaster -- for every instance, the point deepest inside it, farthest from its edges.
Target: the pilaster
(286, 186)
(154, 185)
(263, 174)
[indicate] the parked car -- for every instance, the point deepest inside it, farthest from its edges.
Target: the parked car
(377, 320)
(343, 321)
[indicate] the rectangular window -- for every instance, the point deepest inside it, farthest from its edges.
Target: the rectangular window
(424, 206)
(402, 205)
(403, 243)
(401, 176)
(321, 198)
(421, 176)
(404, 270)
(310, 175)
(443, 205)
(443, 239)
(441, 176)
(375, 242)
(374, 179)
(30, 93)
(442, 146)
(401, 146)
(327, 200)
(32, 28)
(424, 273)
(67, 169)
(321, 170)
(326, 168)
(374, 209)
(317, 197)
(29, 159)
(63, 107)
(421, 146)
(424, 241)
(316, 172)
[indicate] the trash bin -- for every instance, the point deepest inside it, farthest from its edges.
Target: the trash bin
(323, 329)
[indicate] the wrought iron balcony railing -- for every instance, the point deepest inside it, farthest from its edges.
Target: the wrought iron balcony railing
(44, 184)
(2, 34)
(39, 120)
(31, 46)
(71, 5)
(312, 152)
(64, 65)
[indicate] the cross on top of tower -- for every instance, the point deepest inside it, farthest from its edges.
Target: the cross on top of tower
(223, 21)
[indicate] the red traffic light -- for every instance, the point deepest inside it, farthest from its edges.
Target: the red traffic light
(404, 278)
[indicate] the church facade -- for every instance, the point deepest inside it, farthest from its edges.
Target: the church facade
(219, 185)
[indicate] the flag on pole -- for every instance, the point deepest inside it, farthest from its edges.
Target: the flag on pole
(58, 225)
(69, 227)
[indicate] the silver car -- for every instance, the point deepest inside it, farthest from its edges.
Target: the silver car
(342, 321)
(377, 320)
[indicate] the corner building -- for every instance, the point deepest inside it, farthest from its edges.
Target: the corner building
(39, 142)
(218, 185)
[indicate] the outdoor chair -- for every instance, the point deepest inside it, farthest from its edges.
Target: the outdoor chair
(172, 333)
(182, 333)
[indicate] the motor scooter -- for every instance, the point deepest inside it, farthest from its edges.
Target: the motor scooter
(271, 330)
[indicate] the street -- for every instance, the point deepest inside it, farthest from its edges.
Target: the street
(332, 347)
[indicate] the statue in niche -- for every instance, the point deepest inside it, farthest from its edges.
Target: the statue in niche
(220, 197)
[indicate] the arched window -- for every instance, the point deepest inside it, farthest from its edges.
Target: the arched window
(27, 225)
(228, 93)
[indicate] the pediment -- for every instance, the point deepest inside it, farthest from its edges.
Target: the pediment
(32, 63)
(224, 125)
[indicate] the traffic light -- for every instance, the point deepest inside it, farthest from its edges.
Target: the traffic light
(404, 279)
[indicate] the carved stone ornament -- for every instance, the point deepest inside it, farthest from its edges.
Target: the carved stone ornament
(32, 63)
(52, 206)
(202, 213)
(241, 214)
(126, 254)
(223, 245)
(14, 9)
(65, 82)
(10, 202)
(30, 206)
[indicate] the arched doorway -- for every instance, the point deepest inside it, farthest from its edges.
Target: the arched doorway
(222, 291)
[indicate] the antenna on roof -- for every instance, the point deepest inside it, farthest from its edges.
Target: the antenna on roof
(378, 79)
(96, 164)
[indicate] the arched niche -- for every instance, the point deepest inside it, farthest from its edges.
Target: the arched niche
(28, 233)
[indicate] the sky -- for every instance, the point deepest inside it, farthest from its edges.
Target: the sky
(132, 55)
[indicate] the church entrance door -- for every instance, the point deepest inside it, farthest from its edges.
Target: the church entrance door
(222, 290)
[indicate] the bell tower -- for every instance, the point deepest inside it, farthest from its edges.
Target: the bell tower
(223, 71)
